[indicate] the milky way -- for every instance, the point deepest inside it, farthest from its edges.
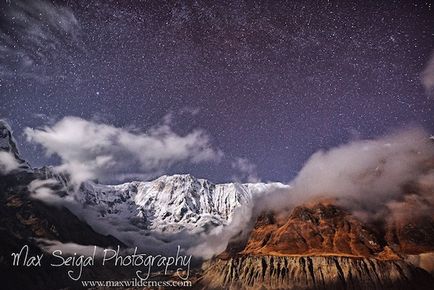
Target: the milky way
(271, 82)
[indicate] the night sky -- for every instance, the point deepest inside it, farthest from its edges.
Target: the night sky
(269, 81)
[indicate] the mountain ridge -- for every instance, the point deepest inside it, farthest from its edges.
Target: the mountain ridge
(320, 245)
(172, 203)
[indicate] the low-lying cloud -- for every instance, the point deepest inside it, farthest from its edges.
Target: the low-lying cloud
(42, 189)
(90, 150)
(8, 162)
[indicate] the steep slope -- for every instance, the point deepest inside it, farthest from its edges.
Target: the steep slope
(320, 246)
(322, 228)
(318, 272)
(8, 145)
(170, 204)
(25, 220)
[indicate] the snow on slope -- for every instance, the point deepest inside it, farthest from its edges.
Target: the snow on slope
(170, 204)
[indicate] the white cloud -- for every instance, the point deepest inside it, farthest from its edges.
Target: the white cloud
(365, 176)
(369, 171)
(218, 239)
(69, 248)
(42, 190)
(247, 169)
(89, 149)
(428, 76)
(8, 162)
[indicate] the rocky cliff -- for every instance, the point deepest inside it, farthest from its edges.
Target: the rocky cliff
(314, 272)
(323, 246)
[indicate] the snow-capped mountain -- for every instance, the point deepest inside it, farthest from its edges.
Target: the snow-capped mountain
(170, 204)
(166, 209)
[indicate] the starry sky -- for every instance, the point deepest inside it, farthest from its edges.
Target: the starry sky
(269, 81)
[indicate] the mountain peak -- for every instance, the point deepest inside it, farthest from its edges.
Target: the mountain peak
(8, 144)
(170, 203)
(183, 177)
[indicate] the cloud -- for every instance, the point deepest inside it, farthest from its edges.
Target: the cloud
(8, 162)
(43, 190)
(378, 179)
(35, 33)
(243, 218)
(370, 172)
(247, 169)
(90, 150)
(49, 246)
(187, 110)
(365, 176)
(428, 76)
(217, 240)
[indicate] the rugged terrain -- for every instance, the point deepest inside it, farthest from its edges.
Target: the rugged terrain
(39, 207)
(318, 245)
(323, 246)
(25, 220)
(314, 272)
(170, 204)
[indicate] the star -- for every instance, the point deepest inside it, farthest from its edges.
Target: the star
(274, 81)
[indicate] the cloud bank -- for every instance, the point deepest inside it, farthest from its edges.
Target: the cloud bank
(370, 171)
(91, 150)
(362, 174)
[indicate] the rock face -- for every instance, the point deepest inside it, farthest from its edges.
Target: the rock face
(322, 228)
(170, 204)
(304, 272)
(412, 236)
(322, 246)
(8, 145)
